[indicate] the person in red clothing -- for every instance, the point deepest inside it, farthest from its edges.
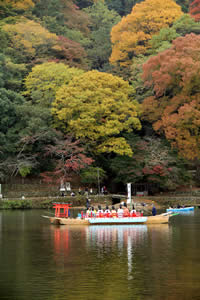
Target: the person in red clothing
(125, 211)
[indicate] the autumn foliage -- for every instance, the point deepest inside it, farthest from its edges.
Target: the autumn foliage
(68, 157)
(175, 107)
(29, 39)
(97, 107)
(131, 35)
(194, 9)
(19, 4)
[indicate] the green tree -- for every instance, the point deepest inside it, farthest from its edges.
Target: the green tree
(92, 175)
(11, 74)
(184, 5)
(97, 107)
(9, 100)
(186, 25)
(66, 13)
(99, 46)
(122, 7)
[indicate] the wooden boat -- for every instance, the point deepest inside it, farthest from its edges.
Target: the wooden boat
(181, 209)
(159, 219)
(62, 218)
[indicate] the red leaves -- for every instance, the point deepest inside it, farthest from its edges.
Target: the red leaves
(155, 170)
(68, 158)
(175, 67)
(194, 9)
(71, 51)
(174, 75)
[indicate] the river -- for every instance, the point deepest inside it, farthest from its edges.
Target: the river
(43, 261)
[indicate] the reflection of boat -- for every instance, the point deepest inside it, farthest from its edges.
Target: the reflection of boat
(62, 218)
(181, 209)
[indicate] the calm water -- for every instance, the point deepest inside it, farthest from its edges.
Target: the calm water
(43, 261)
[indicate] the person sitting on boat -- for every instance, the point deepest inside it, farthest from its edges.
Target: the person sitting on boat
(100, 211)
(113, 212)
(178, 206)
(107, 211)
(125, 210)
(120, 212)
(133, 211)
(88, 212)
(93, 212)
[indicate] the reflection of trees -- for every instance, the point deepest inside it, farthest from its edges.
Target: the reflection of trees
(97, 262)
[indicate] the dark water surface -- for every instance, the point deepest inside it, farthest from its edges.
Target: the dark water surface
(43, 261)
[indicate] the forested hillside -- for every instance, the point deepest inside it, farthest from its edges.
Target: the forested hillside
(100, 87)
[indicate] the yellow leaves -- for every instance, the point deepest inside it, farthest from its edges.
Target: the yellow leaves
(132, 33)
(27, 36)
(96, 106)
(116, 145)
(45, 79)
(19, 4)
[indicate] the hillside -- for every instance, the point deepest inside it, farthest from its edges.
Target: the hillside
(104, 90)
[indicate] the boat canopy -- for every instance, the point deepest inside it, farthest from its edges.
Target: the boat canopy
(61, 209)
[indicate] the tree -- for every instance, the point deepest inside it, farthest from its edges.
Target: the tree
(29, 40)
(140, 90)
(11, 74)
(92, 175)
(152, 162)
(130, 36)
(122, 7)
(18, 5)
(99, 44)
(67, 13)
(96, 107)
(71, 53)
(34, 132)
(8, 120)
(45, 79)
(194, 9)
(162, 41)
(174, 109)
(185, 25)
(68, 157)
(184, 5)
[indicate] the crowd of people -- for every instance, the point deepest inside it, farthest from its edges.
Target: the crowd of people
(122, 211)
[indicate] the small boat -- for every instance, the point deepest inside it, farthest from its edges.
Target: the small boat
(62, 218)
(181, 209)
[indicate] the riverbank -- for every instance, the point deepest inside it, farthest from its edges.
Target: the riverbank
(140, 203)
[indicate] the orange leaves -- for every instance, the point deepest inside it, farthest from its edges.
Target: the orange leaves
(131, 35)
(195, 10)
(175, 107)
(176, 68)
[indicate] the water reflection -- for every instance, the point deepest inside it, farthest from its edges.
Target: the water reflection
(104, 236)
(112, 262)
(119, 255)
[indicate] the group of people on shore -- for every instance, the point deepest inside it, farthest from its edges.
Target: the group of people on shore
(122, 211)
